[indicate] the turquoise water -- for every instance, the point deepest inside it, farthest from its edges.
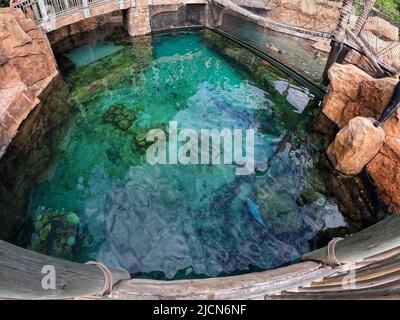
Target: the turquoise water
(85, 55)
(184, 220)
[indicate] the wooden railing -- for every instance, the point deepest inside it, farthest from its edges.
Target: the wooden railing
(370, 254)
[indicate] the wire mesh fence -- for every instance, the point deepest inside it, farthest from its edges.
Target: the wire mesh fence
(317, 20)
(381, 35)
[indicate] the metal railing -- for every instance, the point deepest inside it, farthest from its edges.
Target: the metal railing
(46, 12)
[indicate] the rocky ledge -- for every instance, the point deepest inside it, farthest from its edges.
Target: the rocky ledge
(27, 67)
(353, 101)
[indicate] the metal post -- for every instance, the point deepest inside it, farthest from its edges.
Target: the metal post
(45, 16)
(391, 107)
(361, 21)
(338, 37)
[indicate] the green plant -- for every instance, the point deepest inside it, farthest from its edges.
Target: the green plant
(55, 233)
(392, 5)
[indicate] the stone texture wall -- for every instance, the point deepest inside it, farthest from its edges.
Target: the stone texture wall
(177, 15)
(83, 26)
(137, 20)
(30, 154)
(385, 171)
(27, 66)
(354, 93)
(310, 14)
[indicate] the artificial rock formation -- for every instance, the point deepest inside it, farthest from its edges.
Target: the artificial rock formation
(27, 66)
(311, 14)
(353, 92)
(355, 145)
(385, 171)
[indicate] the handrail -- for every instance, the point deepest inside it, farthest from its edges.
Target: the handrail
(25, 274)
(46, 12)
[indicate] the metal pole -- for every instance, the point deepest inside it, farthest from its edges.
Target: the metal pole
(338, 37)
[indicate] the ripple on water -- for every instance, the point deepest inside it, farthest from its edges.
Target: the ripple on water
(168, 218)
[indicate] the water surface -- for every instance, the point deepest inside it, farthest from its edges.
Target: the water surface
(176, 220)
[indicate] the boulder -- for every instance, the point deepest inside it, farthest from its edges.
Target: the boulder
(352, 93)
(355, 145)
(384, 169)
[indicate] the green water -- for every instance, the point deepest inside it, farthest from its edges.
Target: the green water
(184, 220)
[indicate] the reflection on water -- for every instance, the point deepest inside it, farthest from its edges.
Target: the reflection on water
(176, 220)
(297, 53)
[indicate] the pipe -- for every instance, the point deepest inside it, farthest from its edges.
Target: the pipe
(338, 38)
(381, 237)
(391, 108)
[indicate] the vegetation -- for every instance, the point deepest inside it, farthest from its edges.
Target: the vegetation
(55, 233)
(392, 5)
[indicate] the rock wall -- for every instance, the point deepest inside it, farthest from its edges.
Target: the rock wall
(30, 154)
(385, 171)
(27, 67)
(354, 93)
(137, 20)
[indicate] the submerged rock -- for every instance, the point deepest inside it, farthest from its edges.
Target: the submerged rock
(355, 145)
(139, 141)
(55, 233)
(308, 195)
(119, 116)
